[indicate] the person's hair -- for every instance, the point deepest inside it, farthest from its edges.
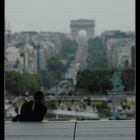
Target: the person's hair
(39, 95)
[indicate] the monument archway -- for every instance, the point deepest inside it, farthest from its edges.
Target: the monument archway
(82, 24)
(82, 33)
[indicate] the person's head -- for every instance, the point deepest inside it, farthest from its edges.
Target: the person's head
(39, 96)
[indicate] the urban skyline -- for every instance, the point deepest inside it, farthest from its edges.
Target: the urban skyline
(55, 16)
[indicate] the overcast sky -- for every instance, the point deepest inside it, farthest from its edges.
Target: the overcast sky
(55, 15)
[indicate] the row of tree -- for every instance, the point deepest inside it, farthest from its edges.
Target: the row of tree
(99, 80)
(17, 83)
(68, 50)
(96, 54)
(56, 67)
(54, 72)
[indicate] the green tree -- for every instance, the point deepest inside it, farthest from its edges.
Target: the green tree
(17, 83)
(14, 82)
(54, 72)
(51, 79)
(96, 54)
(68, 47)
(68, 50)
(99, 80)
(128, 76)
(54, 64)
(32, 82)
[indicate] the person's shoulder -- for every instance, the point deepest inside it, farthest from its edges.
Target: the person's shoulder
(27, 103)
(41, 104)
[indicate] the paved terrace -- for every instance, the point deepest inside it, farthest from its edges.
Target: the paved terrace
(63, 130)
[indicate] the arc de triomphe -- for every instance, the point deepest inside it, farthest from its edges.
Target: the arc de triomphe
(82, 24)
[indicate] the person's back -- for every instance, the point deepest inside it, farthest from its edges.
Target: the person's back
(33, 110)
(117, 115)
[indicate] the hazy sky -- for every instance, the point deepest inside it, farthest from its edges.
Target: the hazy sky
(55, 15)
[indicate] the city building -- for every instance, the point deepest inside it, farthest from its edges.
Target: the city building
(119, 52)
(13, 61)
(107, 35)
(29, 56)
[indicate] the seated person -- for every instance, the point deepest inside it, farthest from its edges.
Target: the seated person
(33, 110)
(117, 115)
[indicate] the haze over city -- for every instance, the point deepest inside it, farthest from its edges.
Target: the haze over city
(67, 64)
(54, 15)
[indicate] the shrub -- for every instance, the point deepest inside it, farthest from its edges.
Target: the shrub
(104, 110)
(100, 80)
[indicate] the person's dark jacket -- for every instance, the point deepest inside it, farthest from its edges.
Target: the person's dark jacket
(33, 111)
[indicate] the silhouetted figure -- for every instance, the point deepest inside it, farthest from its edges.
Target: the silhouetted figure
(88, 101)
(10, 102)
(82, 104)
(124, 104)
(59, 102)
(33, 110)
(69, 108)
(94, 108)
(62, 106)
